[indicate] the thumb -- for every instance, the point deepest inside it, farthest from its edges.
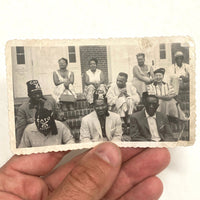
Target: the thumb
(93, 176)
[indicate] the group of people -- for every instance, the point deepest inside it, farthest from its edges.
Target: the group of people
(37, 121)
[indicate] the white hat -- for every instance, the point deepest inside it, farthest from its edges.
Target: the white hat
(178, 54)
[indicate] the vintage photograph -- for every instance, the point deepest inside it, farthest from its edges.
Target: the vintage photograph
(72, 94)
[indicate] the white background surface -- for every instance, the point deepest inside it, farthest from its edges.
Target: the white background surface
(37, 19)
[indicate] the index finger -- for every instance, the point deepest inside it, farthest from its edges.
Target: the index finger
(34, 164)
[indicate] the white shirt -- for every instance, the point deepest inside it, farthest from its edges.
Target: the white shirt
(33, 138)
(94, 77)
(153, 127)
(181, 71)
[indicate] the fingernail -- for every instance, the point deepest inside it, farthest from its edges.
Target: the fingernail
(109, 152)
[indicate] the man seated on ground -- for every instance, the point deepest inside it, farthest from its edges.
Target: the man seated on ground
(101, 125)
(123, 97)
(45, 131)
(148, 124)
(27, 110)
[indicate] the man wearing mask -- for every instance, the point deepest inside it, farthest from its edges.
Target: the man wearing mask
(27, 110)
(45, 131)
(101, 125)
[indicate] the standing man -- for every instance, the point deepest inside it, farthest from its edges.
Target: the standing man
(123, 97)
(178, 73)
(26, 112)
(101, 125)
(148, 124)
(142, 74)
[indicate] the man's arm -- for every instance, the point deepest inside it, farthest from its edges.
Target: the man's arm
(84, 132)
(112, 98)
(167, 97)
(134, 130)
(170, 95)
(134, 95)
(21, 123)
(141, 77)
(151, 72)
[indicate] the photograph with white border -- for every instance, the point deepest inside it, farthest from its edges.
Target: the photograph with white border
(74, 94)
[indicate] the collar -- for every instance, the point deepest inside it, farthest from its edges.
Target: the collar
(103, 117)
(122, 88)
(94, 71)
(148, 116)
(175, 64)
(155, 83)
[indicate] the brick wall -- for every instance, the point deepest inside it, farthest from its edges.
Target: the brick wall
(98, 52)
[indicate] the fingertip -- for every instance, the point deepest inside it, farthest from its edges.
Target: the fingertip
(164, 156)
(155, 186)
(109, 152)
(93, 175)
(149, 189)
(161, 155)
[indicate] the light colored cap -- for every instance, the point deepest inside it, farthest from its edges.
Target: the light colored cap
(178, 54)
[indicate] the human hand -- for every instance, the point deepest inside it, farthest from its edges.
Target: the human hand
(105, 172)
(66, 84)
(124, 90)
(153, 80)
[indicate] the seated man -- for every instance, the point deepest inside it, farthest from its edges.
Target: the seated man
(45, 131)
(27, 110)
(100, 125)
(123, 97)
(148, 124)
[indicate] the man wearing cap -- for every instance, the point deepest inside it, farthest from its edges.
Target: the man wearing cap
(27, 110)
(181, 68)
(123, 97)
(178, 73)
(101, 124)
(45, 131)
(148, 124)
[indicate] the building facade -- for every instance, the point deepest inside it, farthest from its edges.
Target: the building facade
(40, 62)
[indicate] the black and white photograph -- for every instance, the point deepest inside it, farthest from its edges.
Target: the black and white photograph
(99, 100)
(71, 94)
